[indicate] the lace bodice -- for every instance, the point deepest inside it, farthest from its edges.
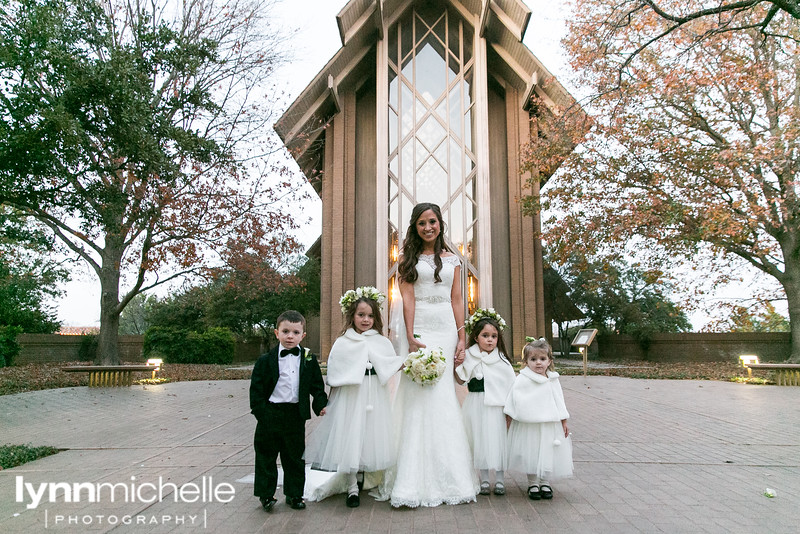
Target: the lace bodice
(425, 288)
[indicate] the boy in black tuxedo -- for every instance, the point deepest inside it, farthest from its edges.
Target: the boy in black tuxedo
(282, 381)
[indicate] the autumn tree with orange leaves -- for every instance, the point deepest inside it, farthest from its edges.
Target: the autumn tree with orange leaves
(137, 132)
(722, 16)
(694, 143)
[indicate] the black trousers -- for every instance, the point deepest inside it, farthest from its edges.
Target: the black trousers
(282, 432)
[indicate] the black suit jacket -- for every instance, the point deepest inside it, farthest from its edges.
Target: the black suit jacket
(265, 377)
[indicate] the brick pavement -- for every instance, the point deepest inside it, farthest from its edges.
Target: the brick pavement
(650, 456)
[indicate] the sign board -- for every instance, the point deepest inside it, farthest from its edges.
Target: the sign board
(584, 337)
(582, 340)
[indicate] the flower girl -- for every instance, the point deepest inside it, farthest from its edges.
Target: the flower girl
(538, 438)
(489, 377)
(356, 435)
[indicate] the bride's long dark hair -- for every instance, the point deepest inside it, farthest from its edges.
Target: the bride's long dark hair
(412, 245)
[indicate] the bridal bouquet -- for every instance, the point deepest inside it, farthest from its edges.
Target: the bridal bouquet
(425, 367)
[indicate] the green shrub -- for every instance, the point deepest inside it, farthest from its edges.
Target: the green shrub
(174, 345)
(87, 350)
(161, 341)
(9, 348)
(16, 455)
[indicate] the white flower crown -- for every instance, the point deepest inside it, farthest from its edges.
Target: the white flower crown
(482, 313)
(353, 295)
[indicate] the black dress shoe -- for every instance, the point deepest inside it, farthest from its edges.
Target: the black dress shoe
(296, 503)
(353, 501)
(268, 504)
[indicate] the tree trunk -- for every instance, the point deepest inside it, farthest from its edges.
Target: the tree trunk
(792, 287)
(790, 247)
(108, 339)
(563, 339)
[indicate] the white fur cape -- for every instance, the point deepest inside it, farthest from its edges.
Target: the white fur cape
(536, 399)
(353, 353)
(498, 375)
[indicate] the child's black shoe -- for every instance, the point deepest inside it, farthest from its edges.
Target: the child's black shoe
(296, 503)
(268, 504)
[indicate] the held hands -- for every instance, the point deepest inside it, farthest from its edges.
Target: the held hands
(460, 354)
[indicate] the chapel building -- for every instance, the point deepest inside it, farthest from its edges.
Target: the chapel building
(427, 101)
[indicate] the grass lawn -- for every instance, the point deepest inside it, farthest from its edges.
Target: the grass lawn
(725, 371)
(15, 455)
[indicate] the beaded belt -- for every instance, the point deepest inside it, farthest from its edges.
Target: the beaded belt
(433, 299)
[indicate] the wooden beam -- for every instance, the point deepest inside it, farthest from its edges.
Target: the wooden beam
(379, 18)
(340, 25)
(530, 91)
(333, 93)
(506, 21)
(356, 27)
(484, 22)
(484, 224)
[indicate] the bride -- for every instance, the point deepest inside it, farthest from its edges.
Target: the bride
(434, 464)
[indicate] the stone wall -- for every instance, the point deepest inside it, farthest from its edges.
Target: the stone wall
(699, 347)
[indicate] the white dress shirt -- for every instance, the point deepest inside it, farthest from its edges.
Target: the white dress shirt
(288, 387)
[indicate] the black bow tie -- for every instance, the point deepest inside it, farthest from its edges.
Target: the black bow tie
(295, 351)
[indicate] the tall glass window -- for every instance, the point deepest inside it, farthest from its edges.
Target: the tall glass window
(431, 131)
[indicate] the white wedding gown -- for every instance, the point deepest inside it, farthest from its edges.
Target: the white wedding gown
(434, 462)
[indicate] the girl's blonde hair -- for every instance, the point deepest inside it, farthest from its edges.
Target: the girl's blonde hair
(537, 346)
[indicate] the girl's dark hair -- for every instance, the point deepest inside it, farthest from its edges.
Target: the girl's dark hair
(350, 315)
(477, 328)
(539, 345)
(412, 245)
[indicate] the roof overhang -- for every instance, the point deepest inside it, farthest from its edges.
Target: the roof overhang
(361, 23)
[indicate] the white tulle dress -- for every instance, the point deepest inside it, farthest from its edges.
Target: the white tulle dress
(536, 442)
(483, 411)
(356, 434)
(434, 462)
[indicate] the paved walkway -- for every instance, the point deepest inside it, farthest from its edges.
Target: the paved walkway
(650, 456)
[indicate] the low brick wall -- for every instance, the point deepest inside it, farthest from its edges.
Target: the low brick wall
(38, 348)
(698, 347)
(248, 351)
(703, 347)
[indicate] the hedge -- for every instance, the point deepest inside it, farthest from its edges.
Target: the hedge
(174, 345)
